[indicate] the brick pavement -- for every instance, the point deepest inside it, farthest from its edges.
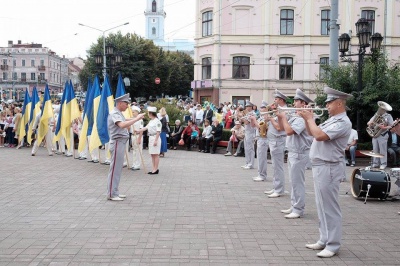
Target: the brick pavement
(202, 209)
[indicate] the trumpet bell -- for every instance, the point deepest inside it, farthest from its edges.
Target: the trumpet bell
(385, 106)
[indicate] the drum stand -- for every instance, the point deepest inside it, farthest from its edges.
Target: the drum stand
(366, 196)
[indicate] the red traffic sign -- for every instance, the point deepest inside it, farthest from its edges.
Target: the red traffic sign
(157, 80)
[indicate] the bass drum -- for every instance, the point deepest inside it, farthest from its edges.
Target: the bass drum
(379, 181)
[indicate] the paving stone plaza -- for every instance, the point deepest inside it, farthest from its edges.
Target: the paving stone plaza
(202, 209)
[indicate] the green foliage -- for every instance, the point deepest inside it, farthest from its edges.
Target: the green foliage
(142, 62)
(173, 111)
(381, 82)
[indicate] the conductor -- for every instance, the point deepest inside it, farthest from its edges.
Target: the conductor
(118, 130)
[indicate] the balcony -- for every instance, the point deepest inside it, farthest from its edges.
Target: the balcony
(41, 68)
(4, 67)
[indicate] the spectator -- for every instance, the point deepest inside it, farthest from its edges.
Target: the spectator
(216, 132)
(10, 129)
(164, 131)
(176, 134)
(237, 136)
(198, 115)
(352, 147)
(17, 120)
(206, 134)
(208, 113)
(255, 110)
(228, 118)
(3, 122)
(187, 134)
(394, 148)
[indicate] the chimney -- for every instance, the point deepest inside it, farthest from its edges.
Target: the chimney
(10, 43)
(19, 41)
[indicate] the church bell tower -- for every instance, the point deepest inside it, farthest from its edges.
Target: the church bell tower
(155, 17)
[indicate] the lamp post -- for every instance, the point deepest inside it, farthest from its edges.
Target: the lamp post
(104, 43)
(364, 37)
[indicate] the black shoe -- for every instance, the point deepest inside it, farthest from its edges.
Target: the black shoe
(206, 151)
(153, 173)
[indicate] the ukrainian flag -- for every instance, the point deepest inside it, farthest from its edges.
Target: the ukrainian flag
(70, 112)
(94, 135)
(88, 110)
(24, 121)
(58, 131)
(121, 91)
(35, 109)
(100, 129)
(47, 113)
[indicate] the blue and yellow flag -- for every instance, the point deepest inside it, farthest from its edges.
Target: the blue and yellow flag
(26, 114)
(87, 110)
(58, 131)
(35, 109)
(121, 91)
(47, 113)
(105, 106)
(94, 135)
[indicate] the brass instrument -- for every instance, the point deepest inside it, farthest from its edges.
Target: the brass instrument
(263, 128)
(374, 129)
(318, 112)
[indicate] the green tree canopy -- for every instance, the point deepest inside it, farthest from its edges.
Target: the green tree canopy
(142, 62)
(381, 82)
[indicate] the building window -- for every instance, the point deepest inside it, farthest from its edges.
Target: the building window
(42, 76)
(206, 68)
(369, 15)
(325, 20)
(14, 62)
(32, 62)
(23, 77)
(153, 31)
(5, 76)
(14, 76)
(154, 20)
(285, 68)
(154, 6)
(287, 20)
(207, 23)
(241, 67)
(323, 61)
(41, 62)
(33, 76)
(4, 62)
(23, 62)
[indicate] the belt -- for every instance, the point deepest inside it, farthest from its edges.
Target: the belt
(152, 135)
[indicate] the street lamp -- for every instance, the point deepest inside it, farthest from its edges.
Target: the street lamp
(104, 43)
(364, 38)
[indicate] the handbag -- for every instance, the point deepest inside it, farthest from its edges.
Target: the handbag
(181, 142)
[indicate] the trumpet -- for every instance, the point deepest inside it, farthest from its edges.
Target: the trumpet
(271, 113)
(318, 112)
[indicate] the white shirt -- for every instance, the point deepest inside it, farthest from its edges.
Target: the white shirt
(353, 136)
(199, 114)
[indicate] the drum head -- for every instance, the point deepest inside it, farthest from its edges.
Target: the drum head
(377, 181)
(356, 183)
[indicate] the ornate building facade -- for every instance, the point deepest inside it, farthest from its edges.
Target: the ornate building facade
(246, 49)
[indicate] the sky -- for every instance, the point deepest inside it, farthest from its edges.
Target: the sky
(54, 23)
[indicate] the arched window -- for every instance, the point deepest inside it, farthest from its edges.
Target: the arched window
(154, 6)
(153, 31)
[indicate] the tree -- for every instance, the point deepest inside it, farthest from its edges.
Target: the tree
(142, 62)
(381, 82)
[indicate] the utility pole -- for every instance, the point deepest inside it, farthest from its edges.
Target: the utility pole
(334, 34)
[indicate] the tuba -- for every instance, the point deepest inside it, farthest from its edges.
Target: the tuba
(374, 130)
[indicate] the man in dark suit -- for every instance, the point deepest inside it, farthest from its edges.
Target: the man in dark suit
(208, 114)
(216, 131)
(394, 148)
